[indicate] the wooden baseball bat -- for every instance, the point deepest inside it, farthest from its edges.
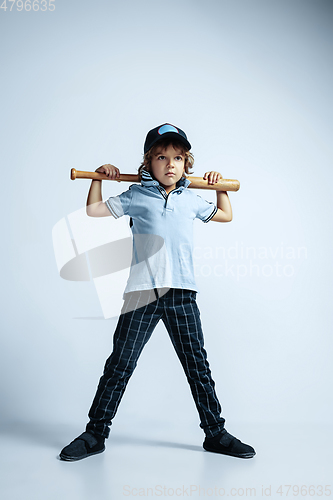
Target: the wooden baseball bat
(196, 182)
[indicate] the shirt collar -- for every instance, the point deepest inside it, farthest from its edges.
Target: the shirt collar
(148, 181)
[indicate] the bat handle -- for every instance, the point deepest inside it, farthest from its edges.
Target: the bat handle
(79, 174)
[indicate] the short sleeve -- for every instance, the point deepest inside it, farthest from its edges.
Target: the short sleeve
(120, 205)
(205, 209)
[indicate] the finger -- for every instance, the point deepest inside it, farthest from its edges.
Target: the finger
(211, 178)
(217, 177)
(107, 169)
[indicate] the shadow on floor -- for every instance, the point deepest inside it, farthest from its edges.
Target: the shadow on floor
(59, 435)
(134, 441)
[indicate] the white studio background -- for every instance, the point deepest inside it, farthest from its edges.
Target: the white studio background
(250, 83)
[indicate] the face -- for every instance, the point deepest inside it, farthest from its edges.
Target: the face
(168, 166)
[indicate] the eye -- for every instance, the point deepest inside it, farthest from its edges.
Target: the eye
(161, 157)
(179, 158)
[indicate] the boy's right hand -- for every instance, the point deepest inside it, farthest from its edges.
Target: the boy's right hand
(110, 170)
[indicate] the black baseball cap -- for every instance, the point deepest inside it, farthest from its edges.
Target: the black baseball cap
(165, 131)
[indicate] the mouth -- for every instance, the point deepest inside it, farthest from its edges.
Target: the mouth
(170, 174)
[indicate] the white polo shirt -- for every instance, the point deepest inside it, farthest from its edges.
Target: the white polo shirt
(162, 232)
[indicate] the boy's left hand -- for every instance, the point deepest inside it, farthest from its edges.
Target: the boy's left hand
(213, 177)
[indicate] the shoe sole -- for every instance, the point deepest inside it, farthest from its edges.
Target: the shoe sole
(244, 455)
(66, 458)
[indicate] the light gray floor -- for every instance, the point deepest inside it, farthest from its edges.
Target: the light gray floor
(164, 463)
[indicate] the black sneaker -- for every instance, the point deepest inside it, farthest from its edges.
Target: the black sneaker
(82, 447)
(227, 444)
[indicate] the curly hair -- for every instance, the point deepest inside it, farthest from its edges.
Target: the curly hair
(165, 143)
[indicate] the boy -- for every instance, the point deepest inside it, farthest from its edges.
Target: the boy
(161, 285)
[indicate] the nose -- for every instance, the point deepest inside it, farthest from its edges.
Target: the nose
(170, 163)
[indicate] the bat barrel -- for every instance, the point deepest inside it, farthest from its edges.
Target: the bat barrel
(221, 185)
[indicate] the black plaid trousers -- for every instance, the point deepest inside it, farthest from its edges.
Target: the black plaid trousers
(180, 314)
